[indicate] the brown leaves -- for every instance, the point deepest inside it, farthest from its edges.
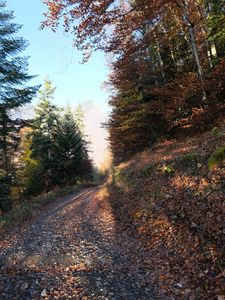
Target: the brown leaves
(178, 218)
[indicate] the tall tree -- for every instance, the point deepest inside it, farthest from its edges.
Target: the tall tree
(44, 129)
(79, 118)
(29, 169)
(14, 91)
(71, 149)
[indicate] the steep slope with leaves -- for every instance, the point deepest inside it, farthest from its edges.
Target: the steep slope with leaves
(172, 198)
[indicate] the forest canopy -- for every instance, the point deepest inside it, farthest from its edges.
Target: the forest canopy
(167, 67)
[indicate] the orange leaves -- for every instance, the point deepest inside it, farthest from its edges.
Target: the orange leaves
(142, 230)
(79, 267)
(54, 9)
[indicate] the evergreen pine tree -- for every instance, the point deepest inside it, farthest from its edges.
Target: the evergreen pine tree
(79, 118)
(71, 149)
(44, 129)
(13, 92)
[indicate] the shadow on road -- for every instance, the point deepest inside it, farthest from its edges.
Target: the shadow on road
(73, 249)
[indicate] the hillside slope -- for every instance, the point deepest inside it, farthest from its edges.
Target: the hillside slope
(172, 198)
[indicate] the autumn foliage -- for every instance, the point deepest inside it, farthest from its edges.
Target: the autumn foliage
(166, 81)
(168, 61)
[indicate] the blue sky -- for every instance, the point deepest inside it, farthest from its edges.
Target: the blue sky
(51, 54)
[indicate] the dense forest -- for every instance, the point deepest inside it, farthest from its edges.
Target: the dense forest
(167, 66)
(43, 152)
(153, 226)
(167, 63)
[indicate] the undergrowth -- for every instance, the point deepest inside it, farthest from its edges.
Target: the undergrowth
(217, 158)
(27, 208)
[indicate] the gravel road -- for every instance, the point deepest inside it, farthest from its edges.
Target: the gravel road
(72, 250)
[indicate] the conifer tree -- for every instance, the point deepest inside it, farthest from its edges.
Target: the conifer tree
(14, 91)
(79, 118)
(44, 129)
(71, 149)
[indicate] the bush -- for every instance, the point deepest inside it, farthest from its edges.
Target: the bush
(217, 158)
(168, 169)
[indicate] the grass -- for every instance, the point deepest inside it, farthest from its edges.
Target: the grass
(28, 208)
(189, 157)
(217, 158)
(147, 170)
(122, 177)
(168, 169)
(218, 132)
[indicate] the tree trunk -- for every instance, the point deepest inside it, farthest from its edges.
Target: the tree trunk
(212, 46)
(161, 63)
(197, 60)
(5, 150)
(190, 25)
(173, 58)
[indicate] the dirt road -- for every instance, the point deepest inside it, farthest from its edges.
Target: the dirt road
(72, 251)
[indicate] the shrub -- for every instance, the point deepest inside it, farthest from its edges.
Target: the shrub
(168, 169)
(217, 158)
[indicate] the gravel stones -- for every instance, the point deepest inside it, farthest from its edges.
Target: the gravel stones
(72, 251)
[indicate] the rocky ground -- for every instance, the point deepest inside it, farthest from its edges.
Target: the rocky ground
(73, 251)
